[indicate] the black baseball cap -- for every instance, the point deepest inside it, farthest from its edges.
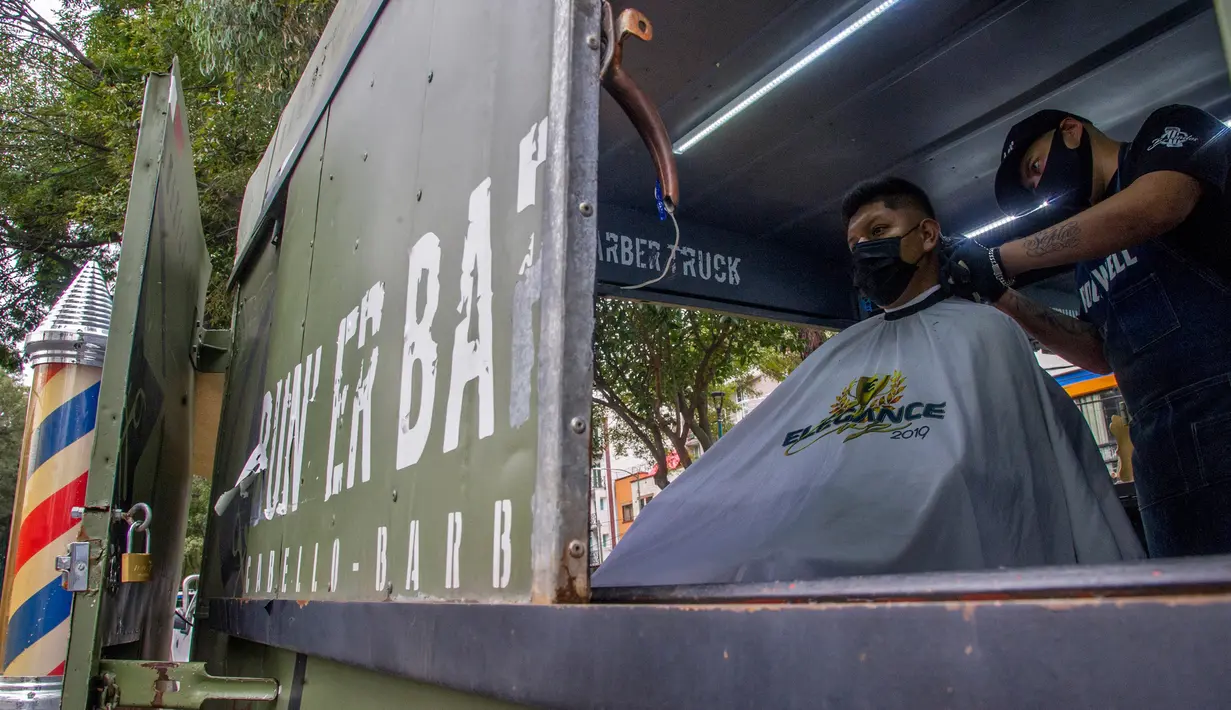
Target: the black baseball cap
(1013, 198)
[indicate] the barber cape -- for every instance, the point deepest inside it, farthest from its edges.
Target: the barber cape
(926, 439)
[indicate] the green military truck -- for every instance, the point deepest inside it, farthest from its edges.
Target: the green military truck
(401, 475)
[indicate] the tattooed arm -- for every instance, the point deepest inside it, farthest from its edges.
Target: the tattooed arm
(1074, 340)
(1153, 205)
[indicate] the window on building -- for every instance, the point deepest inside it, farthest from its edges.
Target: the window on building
(602, 504)
(626, 513)
(597, 479)
(646, 501)
(606, 540)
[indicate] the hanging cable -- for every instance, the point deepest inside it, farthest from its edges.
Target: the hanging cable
(670, 257)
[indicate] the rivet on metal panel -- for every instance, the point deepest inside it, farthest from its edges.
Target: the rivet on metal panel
(576, 548)
(356, 245)
(586, 208)
(395, 496)
(388, 589)
(592, 41)
(365, 157)
(418, 195)
(431, 75)
(330, 177)
(579, 425)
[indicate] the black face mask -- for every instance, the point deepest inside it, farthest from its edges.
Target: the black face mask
(1068, 179)
(878, 270)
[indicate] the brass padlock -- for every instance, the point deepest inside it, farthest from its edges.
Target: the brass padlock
(137, 566)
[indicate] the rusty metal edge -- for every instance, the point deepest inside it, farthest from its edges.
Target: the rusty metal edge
(560, 505)
(1139, 579)
(1042, 653)
(665, 296)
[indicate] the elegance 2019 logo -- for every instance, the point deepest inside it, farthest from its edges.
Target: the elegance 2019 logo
(869, 405)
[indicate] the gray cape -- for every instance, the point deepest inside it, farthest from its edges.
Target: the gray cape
(925, 443)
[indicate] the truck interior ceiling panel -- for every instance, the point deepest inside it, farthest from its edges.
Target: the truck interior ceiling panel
(923, 91)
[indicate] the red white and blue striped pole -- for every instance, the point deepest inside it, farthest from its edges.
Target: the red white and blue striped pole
(66, 352)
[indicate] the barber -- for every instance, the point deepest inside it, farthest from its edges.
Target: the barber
(1151, 243)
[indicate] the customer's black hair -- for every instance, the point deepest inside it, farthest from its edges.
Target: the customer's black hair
(895, 192)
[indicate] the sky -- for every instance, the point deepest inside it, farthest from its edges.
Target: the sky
(46, 8)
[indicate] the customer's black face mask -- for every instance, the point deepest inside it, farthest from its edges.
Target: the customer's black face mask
(878, 270)
(1068, 179)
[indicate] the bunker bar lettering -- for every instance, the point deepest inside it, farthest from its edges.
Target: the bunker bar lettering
(318, 566)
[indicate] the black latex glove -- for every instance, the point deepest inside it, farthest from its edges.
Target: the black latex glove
(970, 269)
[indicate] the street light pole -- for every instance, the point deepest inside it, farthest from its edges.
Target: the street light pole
(611, 499)
(718, 400)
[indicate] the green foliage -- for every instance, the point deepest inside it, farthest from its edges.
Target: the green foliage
(70, 104)
(655, 367)
(13, 399)
(198, 517)
(263, 45)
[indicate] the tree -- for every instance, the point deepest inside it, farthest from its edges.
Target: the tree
(48, 158)
(263, 44)
(13, 400)
(655, 367)
(70, 103)
(198, 517)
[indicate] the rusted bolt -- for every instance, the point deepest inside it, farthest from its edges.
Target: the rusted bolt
(586, 208)
(579, 425)
(576, 548)
(592, 41)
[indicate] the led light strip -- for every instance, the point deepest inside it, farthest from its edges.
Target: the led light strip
(790, 68)
(1000, 222)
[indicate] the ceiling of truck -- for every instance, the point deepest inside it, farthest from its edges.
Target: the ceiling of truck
(926, 91)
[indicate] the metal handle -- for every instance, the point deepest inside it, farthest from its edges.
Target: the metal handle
(635, 102)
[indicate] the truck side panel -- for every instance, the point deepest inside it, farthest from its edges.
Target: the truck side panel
(388, 361)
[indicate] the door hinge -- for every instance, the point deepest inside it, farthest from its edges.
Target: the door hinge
(211, 350)
(159, 684)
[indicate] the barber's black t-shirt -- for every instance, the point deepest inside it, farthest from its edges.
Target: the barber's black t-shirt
(1182, 139)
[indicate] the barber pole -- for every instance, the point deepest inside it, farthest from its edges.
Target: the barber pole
(66, 352)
